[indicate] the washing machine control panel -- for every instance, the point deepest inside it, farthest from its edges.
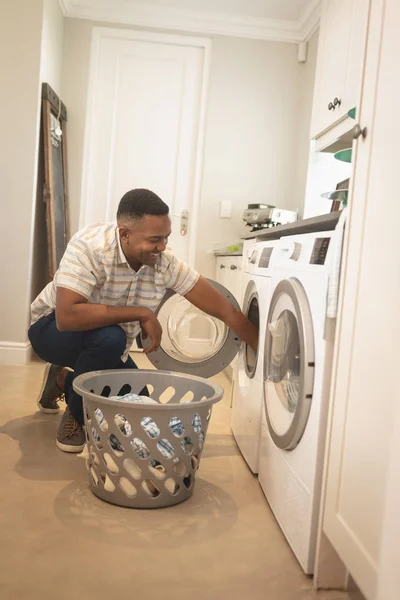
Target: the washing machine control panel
(319, 251)
(253, 257)
(265, 258)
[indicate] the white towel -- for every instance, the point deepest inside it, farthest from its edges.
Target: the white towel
(334, 275)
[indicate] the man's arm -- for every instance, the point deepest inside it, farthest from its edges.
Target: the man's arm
(205, 297)
(74, 313)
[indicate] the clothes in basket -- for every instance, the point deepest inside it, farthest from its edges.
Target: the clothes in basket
(124, 426)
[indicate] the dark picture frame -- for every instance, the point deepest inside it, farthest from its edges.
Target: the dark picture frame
(54, 121)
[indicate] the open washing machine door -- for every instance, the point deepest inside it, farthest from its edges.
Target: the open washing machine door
(288, 364)
(192, 341)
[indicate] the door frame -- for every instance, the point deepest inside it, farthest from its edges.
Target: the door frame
(101, 33)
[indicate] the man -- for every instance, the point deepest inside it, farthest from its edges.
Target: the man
(111, 279)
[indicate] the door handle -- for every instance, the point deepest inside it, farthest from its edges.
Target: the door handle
(357, 131)
(233, 267)
(222, 266)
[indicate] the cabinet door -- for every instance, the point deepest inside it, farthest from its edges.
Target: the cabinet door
(365, 388)
(340, 61)
(220, 275)
(234, 275)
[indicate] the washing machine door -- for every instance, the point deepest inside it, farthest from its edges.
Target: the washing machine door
(192, 341)
(251, 308)
(288, 364)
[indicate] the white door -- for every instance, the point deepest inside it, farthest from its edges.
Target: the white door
(144, 125)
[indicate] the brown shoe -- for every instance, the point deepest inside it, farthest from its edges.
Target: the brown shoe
(50, 394)
(70, 434)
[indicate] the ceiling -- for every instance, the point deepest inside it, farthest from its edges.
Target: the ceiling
(289, 10)
(281, 20)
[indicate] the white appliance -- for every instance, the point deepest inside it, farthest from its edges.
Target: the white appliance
(298, 346)
(247, 394)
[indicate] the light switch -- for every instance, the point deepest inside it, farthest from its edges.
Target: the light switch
(226, 209)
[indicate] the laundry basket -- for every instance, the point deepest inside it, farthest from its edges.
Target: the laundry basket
(145, 455)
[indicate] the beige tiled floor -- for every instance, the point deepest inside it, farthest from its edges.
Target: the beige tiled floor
(58, 541)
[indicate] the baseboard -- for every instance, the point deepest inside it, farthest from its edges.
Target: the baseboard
(15, 353)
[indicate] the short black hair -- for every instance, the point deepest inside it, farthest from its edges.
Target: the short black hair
(138, 203)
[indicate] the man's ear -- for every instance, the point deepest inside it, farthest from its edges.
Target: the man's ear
(124, 234)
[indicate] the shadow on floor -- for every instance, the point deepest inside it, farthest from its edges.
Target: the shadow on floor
(218, 445)
(40, 459)
(208, 514)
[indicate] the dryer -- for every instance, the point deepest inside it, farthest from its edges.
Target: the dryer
(298, 349)
(247, 393)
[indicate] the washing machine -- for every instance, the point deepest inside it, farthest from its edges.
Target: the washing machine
(247, 393)
(298, 350)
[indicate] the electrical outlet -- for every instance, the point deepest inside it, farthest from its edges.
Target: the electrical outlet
(225, 209)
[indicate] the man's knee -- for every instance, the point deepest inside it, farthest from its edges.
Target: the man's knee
(112, 339)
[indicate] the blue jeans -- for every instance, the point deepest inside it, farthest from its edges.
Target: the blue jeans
(82, 351)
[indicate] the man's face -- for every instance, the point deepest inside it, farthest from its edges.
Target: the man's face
(145, 239)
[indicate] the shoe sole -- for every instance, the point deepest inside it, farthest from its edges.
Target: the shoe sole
(48, 411)
(68, 448)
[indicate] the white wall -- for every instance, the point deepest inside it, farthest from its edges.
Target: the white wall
(50, 72)
(20, 35)
(52, 44)
(258, 120)
(305, 100)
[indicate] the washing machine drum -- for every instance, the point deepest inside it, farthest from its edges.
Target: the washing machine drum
(284, 366)
(193, 342)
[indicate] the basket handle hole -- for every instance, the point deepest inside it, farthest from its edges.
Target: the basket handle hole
(188, 397)
(126, 389)
(167, 395)
(106, 391)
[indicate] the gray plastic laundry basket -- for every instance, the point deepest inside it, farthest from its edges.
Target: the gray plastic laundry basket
(145, 455)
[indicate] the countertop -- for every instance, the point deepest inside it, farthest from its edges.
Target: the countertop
(321, 223)
(225, 253)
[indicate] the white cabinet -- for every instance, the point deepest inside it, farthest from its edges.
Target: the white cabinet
(229, 274)
(341, 51)
(362, 473)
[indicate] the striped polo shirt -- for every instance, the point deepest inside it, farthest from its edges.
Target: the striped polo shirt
(95, 266)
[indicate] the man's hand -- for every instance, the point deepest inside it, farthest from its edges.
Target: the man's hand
(205, 297)
(151, 328)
